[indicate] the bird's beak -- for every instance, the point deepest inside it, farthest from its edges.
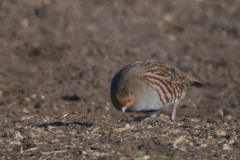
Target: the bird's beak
(123, 109)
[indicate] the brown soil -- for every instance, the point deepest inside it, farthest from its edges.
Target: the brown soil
(58, 58)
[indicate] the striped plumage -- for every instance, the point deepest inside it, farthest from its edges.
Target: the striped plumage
(149, 86)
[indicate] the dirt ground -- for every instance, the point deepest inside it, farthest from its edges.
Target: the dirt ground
(57, 59)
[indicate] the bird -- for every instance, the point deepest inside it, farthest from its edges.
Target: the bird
(150, 87)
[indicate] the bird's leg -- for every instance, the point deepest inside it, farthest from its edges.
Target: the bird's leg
(152, 114)
(145, 120)
(174, 111)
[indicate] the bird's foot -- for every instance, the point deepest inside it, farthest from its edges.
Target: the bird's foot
(145, 120)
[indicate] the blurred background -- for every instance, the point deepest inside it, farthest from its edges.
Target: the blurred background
(59, 56)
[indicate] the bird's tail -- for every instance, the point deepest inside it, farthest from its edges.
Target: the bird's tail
(197, 83)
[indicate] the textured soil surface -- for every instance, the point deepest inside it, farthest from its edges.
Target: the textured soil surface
(57, 59)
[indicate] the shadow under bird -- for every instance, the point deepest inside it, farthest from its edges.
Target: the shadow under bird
(150, 87)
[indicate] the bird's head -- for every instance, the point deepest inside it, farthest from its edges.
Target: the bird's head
(125, 97)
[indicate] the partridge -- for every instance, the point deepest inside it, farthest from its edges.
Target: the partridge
(150, 87)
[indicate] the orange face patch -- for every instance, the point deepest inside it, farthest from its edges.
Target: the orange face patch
(128, 102)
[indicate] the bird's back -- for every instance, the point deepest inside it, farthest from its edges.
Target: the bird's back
(170, 83)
